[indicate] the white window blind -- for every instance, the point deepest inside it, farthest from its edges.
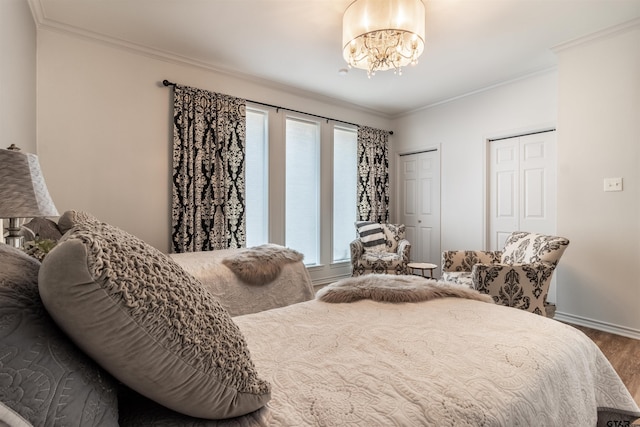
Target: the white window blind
(257, 178)
(345, 145)
(302, 193)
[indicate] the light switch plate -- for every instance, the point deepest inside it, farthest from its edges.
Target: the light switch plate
(613, 184)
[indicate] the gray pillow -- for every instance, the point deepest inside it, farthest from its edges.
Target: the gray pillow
(42, 228)
(138, 411)
(148, 322)
(44, 377)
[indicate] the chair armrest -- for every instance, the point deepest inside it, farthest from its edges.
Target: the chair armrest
(357, 249)
(404, 249)
(523, 286)
(465, 260)
(532, 271)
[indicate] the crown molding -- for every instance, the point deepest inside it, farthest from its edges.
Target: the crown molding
(44, 23)
(598, 35)
(480, 90)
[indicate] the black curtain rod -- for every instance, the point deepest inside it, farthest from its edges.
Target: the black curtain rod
(168, 83)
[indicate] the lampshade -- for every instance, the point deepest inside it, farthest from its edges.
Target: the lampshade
(383, 34)
(23, 192)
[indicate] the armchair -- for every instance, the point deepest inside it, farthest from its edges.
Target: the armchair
(517, 276)
(381, 248)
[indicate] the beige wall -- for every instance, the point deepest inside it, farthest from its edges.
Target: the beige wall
(599, 137)
(461, 129)
(105, 123)
(17, 76)
(595, 97)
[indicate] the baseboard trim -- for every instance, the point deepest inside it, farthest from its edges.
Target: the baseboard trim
(596, 324)
(322, 282)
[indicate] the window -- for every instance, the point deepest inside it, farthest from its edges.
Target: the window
(257, 178)
(345, 171)
(302, 189)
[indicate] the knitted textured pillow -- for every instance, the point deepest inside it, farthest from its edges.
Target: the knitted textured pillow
(44, 377)
(148, 322)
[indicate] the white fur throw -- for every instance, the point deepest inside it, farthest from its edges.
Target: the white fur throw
(394, 288)
(260, 265)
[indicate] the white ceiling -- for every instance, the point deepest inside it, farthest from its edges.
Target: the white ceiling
(471, 44)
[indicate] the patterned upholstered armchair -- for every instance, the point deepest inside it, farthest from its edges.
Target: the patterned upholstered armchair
(381, 248)
(518, 276)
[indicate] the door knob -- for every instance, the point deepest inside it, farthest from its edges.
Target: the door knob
(419, 221)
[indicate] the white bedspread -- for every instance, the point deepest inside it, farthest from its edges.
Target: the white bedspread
(443, 362)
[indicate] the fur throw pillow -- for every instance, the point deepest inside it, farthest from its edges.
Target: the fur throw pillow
(260, 265)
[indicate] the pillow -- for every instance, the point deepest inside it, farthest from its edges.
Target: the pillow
(371, 236)
(148, 322)
(136, 411)
(523, 247)
(44, 377)
(71, 218)
(41, 228)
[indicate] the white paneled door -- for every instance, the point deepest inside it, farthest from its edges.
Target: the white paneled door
(522, 187)
(419, 204)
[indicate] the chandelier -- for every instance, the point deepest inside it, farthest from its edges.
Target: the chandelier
(383, 34)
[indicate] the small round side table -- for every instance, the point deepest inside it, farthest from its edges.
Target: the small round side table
(422, 266)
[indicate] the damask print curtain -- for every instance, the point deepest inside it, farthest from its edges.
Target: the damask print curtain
(373, 175)
(208, 207)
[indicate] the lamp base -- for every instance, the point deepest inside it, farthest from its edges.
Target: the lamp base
(13, 238)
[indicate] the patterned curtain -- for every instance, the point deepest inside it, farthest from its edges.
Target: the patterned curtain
(373, 175)
(208, 208)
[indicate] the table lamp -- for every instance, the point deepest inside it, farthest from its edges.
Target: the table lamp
(23, 192)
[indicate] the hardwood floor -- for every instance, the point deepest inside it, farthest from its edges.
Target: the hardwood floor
(624, 355)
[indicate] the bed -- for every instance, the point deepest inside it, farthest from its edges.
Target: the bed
(449, 361)
(444, 361)
(374, 350)
(288, 282)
